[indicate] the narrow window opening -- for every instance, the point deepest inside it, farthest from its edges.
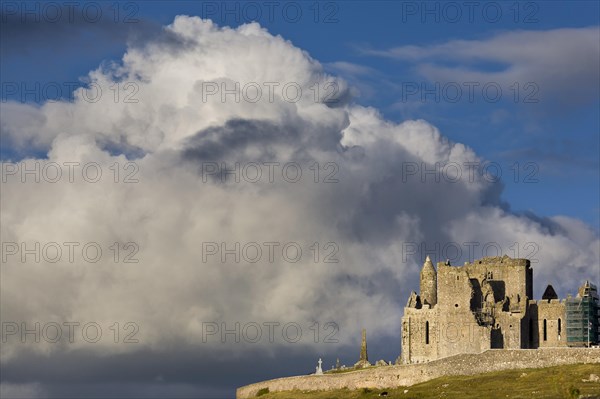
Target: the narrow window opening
(531, 333)
(545, 331)
(559, 328)
(427, 333)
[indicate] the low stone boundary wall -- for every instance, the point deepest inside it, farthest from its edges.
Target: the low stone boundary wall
(406, 375)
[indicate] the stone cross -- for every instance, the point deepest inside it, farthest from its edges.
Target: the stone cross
(319, 370)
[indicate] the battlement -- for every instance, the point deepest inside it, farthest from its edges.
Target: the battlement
(505, 261)
(532, 302)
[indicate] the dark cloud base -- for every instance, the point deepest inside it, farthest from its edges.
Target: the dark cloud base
(185, 372)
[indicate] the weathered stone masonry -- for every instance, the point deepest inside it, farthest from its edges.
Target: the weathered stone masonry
(482, 305)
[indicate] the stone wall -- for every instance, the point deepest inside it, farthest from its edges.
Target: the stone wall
(410, 374)
(481, 305)
(516, 274)
(421, 335)
(459, 330)
(551, 323)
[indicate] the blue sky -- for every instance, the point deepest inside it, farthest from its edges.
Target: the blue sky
(555, 141)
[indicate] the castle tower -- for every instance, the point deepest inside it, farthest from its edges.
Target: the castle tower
(428, 283)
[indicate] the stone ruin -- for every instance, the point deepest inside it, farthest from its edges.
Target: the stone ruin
(487, 304)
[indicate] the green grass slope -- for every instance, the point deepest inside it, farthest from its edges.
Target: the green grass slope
(551, 382)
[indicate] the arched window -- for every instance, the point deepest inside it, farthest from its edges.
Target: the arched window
(545, 331)
(427, 333)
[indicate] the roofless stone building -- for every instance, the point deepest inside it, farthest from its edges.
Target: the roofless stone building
(488, 304)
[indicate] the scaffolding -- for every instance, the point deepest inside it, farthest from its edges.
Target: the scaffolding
(582, 317)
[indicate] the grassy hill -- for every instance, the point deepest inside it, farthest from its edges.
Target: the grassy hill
(551, 382)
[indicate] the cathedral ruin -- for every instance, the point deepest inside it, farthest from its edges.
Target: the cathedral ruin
(488, 304)
(468, 320)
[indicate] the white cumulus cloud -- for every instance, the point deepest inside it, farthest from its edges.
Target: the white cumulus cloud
(368, 215)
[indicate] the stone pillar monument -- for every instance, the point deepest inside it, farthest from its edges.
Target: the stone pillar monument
(364, 357)
(363, 346)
